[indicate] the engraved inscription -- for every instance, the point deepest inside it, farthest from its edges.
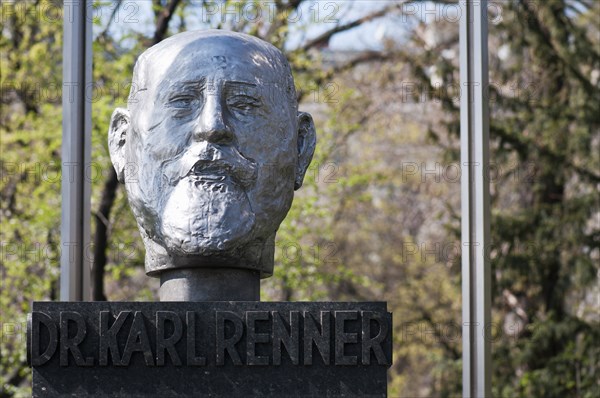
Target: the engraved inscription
(192, 359)
(138, 341)
(70, 344)
(320, 339)
(342, 338)
(37, 320)
(254, 338)
(167, 344)
(373, 344)
(286, 334)
(217, 349)
(210, 338)
(108, 337)
(228, 344)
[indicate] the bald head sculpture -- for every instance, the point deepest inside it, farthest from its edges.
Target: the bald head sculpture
(211, 149)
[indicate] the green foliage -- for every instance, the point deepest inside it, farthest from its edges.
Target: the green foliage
(361, 228)
(545, 124)
(30, 128)
(557, 132)
(30, 135)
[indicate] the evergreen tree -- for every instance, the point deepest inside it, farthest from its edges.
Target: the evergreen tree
(545, 170)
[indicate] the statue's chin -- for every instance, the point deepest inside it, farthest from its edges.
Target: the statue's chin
(203, 217)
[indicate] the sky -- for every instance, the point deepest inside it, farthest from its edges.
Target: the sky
(313, 18)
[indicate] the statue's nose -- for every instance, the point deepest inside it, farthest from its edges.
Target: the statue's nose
(212, 126)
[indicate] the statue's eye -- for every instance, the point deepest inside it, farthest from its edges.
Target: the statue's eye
(242, 103)
(182, 102)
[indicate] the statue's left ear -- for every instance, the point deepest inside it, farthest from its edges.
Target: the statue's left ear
(117, 135)
(307, 140)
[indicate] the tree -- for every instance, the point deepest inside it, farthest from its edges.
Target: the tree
(30, 122)
(373, 221)
(544, 66)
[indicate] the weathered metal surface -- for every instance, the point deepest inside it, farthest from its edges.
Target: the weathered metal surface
(210, 150)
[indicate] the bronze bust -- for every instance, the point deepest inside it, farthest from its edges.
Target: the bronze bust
(211, 148)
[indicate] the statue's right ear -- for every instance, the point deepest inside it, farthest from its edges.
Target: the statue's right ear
(117, 134)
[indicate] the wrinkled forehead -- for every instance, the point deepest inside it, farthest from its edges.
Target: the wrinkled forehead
(224, 57)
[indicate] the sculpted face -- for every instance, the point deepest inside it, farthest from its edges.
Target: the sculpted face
(210, 150)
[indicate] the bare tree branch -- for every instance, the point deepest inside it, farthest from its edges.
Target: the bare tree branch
(101, 236)
(323, 38)
(278, 22)
(102, 36)
(163, 19)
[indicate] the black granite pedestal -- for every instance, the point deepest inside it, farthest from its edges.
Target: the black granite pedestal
(210, 349)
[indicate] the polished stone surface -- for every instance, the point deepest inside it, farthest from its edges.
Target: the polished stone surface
(210, 349)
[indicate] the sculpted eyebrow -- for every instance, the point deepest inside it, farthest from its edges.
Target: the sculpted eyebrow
(235, 83)
(195, 85)
(235, 87)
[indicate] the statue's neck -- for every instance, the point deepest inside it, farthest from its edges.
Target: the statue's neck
(209, 284)
(211, 278)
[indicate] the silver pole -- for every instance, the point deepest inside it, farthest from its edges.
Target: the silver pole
(76, 148)
(475, 199)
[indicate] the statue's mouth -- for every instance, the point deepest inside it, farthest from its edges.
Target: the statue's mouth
(218, 172)
(211, 170)
(212, 163)
(213, 175)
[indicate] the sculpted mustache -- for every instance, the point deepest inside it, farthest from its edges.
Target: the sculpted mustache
(215, 161)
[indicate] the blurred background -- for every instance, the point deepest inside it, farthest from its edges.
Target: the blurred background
(379, 215)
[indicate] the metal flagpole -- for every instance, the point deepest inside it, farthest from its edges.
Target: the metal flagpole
(76, 148)
(475, 198)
